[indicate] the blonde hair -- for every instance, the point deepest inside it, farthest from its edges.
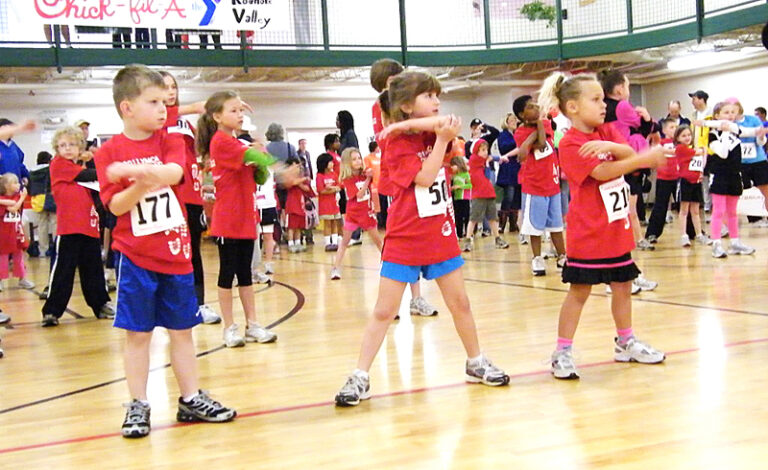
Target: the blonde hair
(504, 125)
(405, 87)
(558, 89)
(345, 168)
(206, 125)
(6, 180)
(72, 132)
(131, 81)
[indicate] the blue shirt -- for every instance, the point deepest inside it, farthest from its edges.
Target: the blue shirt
(752, 121)
(507, 171)
(12, 160)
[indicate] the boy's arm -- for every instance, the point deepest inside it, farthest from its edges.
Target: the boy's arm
(524, 150)
(167, 174)
(126, 199)
(6, 132)
(596, 147)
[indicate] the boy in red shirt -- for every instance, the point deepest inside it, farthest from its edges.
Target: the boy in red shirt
(483, 203)
(540, 181)
(77, 242)
(138, 171)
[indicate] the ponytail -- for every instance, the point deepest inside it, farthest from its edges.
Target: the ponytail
(558, 89)
(206, 126)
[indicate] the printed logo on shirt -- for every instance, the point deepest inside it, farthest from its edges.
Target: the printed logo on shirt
(425, 153)
(152, 160)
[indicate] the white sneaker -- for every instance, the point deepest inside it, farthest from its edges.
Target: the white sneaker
(636, 351)
(353, 242)
(561, 262)
(738, 248)
(703, 239)
(420, 306)
(724, 232)
(563, 366)
(522, 239)
(645, 284)
(762, 223)
(685, 240)
(232, 338)
(717, 249)
(269, 268)
(670, 218)
(260, 278)
(538, 266)
(635, 289)
(257, 334)
(209, 316)
(335, 274)
(551, 253)
(26, 284)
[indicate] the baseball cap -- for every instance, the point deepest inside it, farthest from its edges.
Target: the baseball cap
(475, 122)
(5, 122)
(81, 122)
(703, 95)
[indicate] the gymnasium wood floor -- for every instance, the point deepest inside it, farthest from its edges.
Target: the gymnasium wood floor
(705, 408)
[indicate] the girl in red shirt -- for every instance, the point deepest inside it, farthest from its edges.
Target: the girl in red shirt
(691, 163)
(12, 239)
(295, 207)
(356, 181)
(599, 241)
(327, 184)
(233, 221)
(421, 235)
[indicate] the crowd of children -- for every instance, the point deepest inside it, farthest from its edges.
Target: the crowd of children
(432, 192)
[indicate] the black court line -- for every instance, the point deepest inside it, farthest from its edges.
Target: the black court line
(300, 301)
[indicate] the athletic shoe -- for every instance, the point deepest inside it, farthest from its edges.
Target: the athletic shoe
(501, 244)
(4, 318)
(466, 245)
(636, 351)
(561, 261)
(652, 239)
(353, 242)
(538, 266)
(269, 268)
(645, 284)
(723, 232)
(645, 245)
(485, 233)
(50, 320)
(738, 248)
(136, 423)
(762, 223)
(522, 239)
(294, 248)
(44, 294)
(335, 274)
(550, 253)
(26, 284)
(331, 247)
(685, 240)
(203, 408)
(717, 250)
(355, 389)
(209, 316)
(669, 219)
(111, 285)
(635, 289)
(563, 366)
(232, 338)
(106, 312)
(257, 334)
(260, 278)
(703, 239)
(483, 371)
(420, 306)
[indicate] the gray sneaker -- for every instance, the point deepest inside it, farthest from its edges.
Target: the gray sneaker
(636, 351)
(645, 284)
(203, 408)
(703, 239)
(717, 250)
(466, 245)
(483, 371)
(257, 334)
(645, 245)
(209, 316)
(136, 423)
(738, 248)
(563, 366)
(355, 389)
(26, 284)
(106, 312)
(269, 268)
(335, 274)
(232, 338)
(501, 243)
(420, 306)
(260, 278)
(685, 240)
(4, 318)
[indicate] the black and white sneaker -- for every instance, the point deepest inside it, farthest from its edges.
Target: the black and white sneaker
(483, 371)
(50, 320)
(355, 389)
(136, 423)
(203, 408)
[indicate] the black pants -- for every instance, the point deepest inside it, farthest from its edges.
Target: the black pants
(382, 215)
(196, 227)
(235, 259)
(83, 253)
(461, 209)
(664, 191)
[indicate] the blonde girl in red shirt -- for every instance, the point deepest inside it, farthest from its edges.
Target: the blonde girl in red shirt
(599, 241)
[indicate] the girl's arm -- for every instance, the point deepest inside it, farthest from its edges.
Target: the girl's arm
(541, 135)
(17, 205)
(609, 170)
(192, 108)
(446, 130)
(512, 153)
(425, 124)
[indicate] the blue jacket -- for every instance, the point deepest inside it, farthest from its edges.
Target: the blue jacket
(507, 171)
(12, 160)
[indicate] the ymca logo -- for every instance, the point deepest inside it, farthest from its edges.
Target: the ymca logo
(210, 6)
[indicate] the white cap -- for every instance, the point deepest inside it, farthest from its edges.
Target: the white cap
(247, 126)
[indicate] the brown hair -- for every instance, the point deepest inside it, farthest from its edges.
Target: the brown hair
(404, 88)
(381, 70)
(679, 130)
(131, 81)
(460, 163)
(719, 107)
(206, 126)
(70, 131)
(559, 89)
(610, 79)
(175, 83)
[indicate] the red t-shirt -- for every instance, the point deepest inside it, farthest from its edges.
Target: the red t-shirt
(482, 188)
(166, 252)
(233, 210)
(336, 164)
(670, 171)
(539, 176)
(412, 240)
(589, 235)
(190, 189)
(294, 201)
(327, 203)
(76, 212)
(378, 122)
(684, 154)
(359, 204)
(12, 238)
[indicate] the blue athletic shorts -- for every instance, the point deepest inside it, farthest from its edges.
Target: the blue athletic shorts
(146, 299)
(409, 274)
(541, 213)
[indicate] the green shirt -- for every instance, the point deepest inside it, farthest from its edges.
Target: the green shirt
(462, 185)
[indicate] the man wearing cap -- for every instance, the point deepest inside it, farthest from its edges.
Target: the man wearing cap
(480, 130)
(673, 112)
(85, 127)
(701, 135)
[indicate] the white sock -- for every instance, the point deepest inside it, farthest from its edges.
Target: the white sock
(734, 241)
(191, 397)
(477, 359)
(328, 239)
(291, 242)
(360, 373)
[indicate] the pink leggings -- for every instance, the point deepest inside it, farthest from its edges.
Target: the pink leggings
(722, 204)
(19, 270)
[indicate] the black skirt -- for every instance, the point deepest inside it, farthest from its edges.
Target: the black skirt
(600, 271)
(690, 192)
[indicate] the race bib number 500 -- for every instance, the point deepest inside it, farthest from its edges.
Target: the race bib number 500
(615, 194)
(157, 211)
(433, 200)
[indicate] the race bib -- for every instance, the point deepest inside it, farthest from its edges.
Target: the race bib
(539, 154)
(363, 195)
(697, 164)
(12, 217)
(433, 200)
(615, 194)
(157, 211)
(748, 150)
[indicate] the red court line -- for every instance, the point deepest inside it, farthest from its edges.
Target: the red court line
(307, 406)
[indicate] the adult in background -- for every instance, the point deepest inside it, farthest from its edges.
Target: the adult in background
(281, 150)
(702, 112)
(348, 139)
(507, 177)
(760, 112)
(85, 127)
(305, 159)
(673, 112)
(43, 208)
(11, 156)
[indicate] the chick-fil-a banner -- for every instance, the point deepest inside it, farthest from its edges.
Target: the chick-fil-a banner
(256, 15)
